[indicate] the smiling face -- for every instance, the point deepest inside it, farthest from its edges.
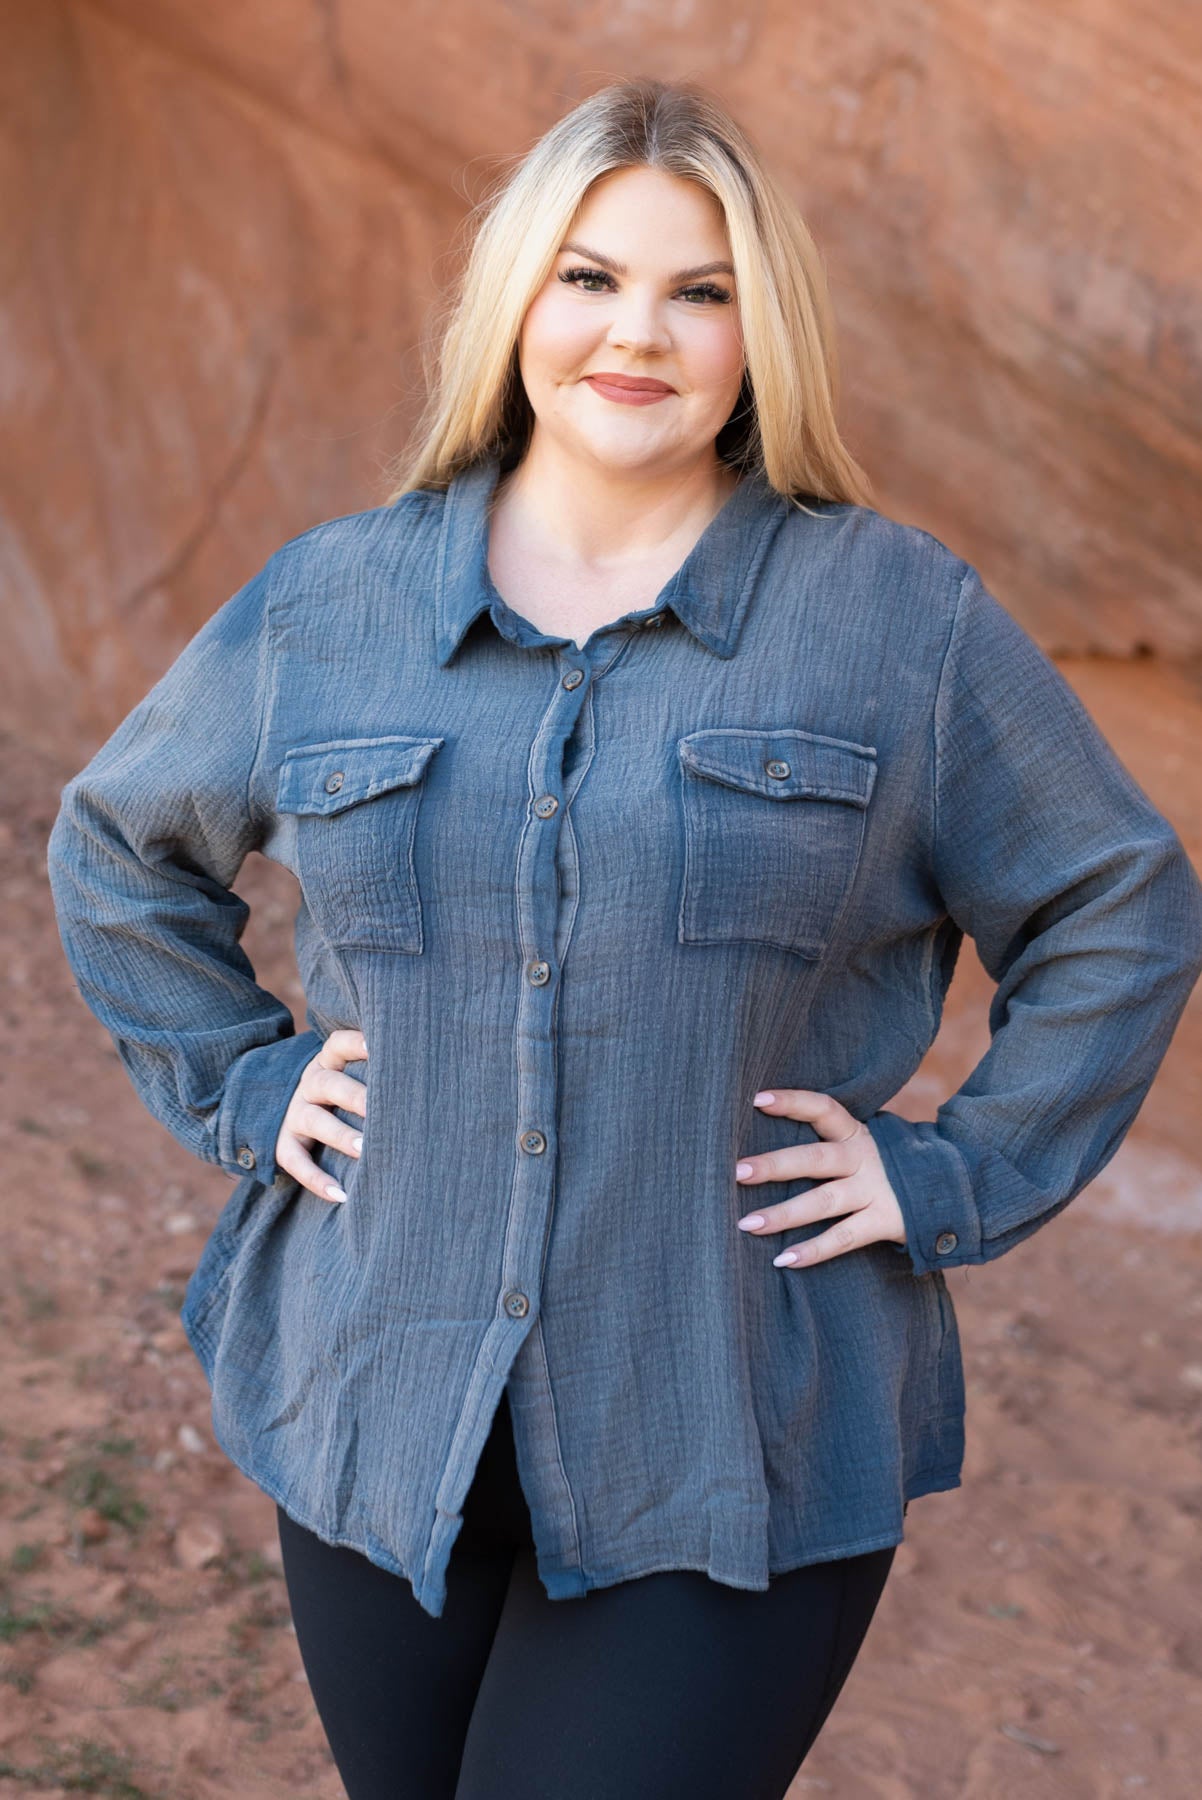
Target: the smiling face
(641, 289)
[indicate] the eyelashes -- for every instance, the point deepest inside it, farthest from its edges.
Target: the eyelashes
(708, 288)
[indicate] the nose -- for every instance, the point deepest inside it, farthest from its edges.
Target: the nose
(637, 325)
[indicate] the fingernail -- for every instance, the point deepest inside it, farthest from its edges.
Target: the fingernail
(763, 1100)
(751, 1222)
(786, 1256)
(744, 1169)
(356, 1144)
(335, 1193)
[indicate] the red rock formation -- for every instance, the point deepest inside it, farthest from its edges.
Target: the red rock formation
(224, 226)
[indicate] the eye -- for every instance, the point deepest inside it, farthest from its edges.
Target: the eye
(709, 292)
(578, 276)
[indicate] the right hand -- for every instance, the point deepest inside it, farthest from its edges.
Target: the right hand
(322, 1084)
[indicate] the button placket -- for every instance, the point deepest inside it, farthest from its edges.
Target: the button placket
(538, 901)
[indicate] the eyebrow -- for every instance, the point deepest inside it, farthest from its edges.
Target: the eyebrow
(617, 268)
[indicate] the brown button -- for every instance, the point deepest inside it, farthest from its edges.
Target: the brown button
(516, 1304)
(533, 1142)
(545, 805)
(540, 973)
(777, 769)
(947, 1240)
(246, 1156)
(573, 678)
(334, 781)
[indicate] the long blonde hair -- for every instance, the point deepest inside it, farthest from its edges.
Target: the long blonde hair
(784, 422)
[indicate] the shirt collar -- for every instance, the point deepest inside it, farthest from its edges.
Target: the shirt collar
(709, 593)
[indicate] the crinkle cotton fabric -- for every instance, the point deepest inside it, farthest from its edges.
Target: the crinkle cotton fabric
(584, 901)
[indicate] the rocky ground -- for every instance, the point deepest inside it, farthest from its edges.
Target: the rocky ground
(1040, 1639)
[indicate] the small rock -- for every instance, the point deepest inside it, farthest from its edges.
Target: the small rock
(1019, 1735)
(190, 1440)
(164, 1460)
(270, 1553)
(1191, 1375)
(179, 1224)
(198, 1542)
(91, 1525)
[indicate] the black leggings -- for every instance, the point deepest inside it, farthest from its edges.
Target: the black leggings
(669, 1686)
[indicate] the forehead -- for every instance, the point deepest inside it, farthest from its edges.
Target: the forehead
(649, 203)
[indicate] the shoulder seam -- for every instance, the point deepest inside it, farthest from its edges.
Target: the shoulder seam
(961, 571)
(264, 664)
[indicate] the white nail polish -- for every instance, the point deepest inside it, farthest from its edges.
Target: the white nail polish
(335, 1193)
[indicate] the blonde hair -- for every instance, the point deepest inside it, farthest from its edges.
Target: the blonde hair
(784, 423)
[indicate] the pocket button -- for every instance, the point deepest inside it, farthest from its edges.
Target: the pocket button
(778, 770)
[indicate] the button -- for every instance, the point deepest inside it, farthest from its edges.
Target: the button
(655, 619)
(334, 781)
(947, 1240)
(246, 1156)
(533, 1142)
(573, 678)
(778, 770)
(540, 973)
(516, 1304)
(545, 805)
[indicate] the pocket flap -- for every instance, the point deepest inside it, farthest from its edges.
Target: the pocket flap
(805, 763)
(323, 778)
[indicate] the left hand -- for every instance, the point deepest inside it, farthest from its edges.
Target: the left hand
(853, 1182)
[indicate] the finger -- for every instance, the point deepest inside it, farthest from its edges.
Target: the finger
(291, 1156)
(792, 1162)
(333, 1088)
(848, 1234)
(308, 1120)
(342, 1046)
(829, 1117)
(823, 1202)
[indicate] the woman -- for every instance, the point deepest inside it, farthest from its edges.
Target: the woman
(641, 781)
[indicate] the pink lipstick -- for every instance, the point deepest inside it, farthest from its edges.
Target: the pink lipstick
(629, 390)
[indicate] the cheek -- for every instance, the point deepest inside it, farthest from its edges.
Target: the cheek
(555, 339)
(715, 356)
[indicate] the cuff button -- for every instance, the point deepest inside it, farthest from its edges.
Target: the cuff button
(947, 1240)
(246, 1157)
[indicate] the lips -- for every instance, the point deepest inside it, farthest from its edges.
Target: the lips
(636, 384)
(629, 390)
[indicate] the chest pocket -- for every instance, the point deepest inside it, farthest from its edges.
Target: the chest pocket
(773, 831)
(356, 802)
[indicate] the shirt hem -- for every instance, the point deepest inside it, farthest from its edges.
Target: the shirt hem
(566, 1584)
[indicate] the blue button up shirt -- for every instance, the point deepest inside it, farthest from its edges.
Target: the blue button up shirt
(584, 902)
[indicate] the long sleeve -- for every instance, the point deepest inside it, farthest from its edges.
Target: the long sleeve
(149, 836)
(1086, 912)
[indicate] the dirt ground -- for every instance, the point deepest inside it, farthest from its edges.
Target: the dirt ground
(1039, 1639)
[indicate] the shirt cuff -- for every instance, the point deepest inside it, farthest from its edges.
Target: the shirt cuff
(258, 1088)
(931, 1181)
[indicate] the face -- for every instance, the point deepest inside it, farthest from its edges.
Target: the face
(642, 288)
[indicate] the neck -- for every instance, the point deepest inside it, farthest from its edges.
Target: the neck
(600, 518)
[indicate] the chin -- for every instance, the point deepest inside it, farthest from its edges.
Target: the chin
(625, 456)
